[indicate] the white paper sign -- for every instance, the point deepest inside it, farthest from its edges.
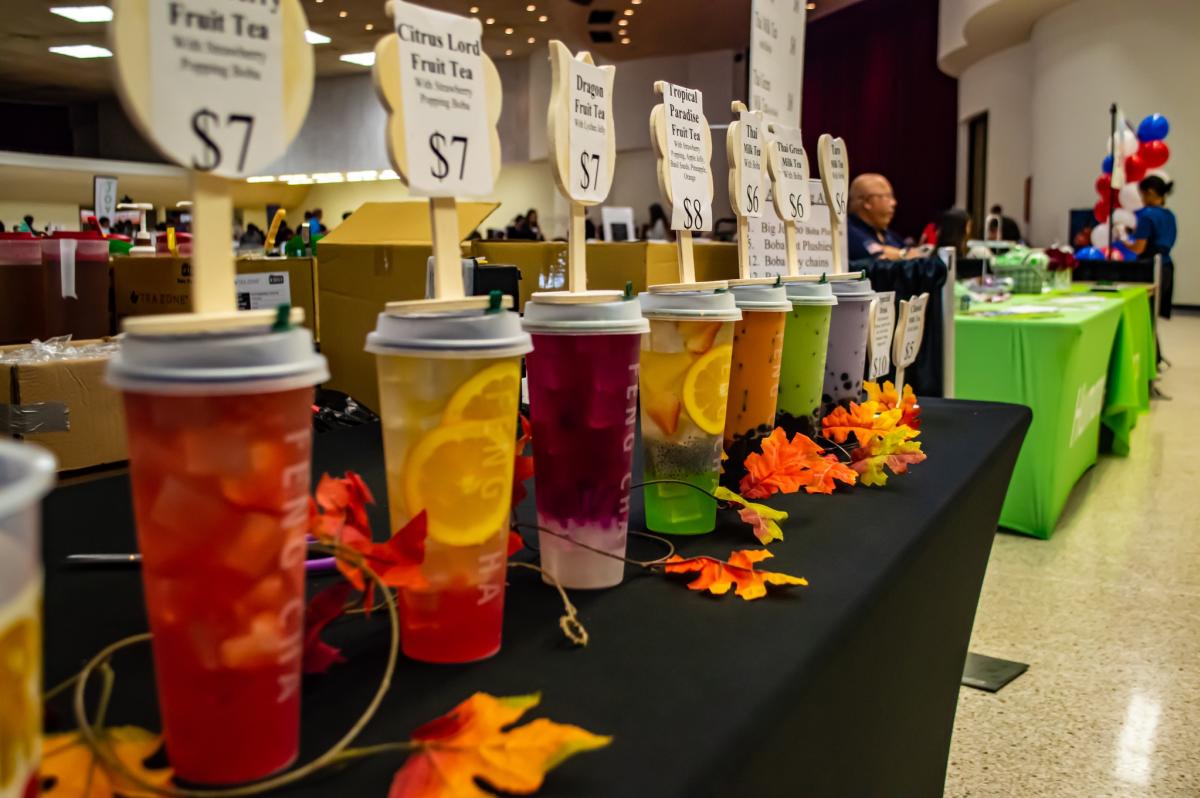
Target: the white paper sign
(447, 147)
(768, 246)
(104, 197)
(789, 172)
(216, 84)
(263, 291)
(750, 196)
(589, 129)
(267, 290)
(691, 180)
(910, 328)
(835, 169)
(777, 59)
(883, 325)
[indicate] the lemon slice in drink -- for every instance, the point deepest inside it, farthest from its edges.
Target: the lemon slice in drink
(461, 476)
(490, 395)
(706, 389)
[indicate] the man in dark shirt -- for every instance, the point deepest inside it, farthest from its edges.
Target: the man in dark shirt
(872, 206)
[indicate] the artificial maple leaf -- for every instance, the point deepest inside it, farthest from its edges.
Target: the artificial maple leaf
(347, 495)
(471, 742)
(786, 467)
(74, 772)
(326, 606)
(762, 518)
(887, 398)
(867, 422)
(896, 450)
(523, 469)
(717, 576)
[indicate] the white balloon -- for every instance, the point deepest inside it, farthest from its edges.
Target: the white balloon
(1100, 236)
(1129, 142)
(1131, 198)
(1124, 220)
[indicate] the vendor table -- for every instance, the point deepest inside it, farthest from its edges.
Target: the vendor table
(1087, 364)
(847, 687)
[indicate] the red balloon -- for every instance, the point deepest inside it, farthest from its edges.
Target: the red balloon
(1154, 153)
(1104, 185)
(1100, 211)
(1135, 169)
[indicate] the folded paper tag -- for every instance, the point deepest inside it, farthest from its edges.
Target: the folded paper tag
(66, 266)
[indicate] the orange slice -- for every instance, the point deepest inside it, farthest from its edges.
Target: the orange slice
(706, 389)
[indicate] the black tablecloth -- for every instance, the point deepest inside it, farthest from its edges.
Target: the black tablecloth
(844, 688)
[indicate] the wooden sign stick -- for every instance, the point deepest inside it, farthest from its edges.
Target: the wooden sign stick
(447, 254)
(213, 273)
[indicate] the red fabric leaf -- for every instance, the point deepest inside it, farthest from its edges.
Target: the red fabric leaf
(325, 607)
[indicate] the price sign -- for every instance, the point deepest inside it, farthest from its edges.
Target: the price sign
(216, 82)
(910, 328)
(883, 325)
(688, 150)
(749, 195)
(447, 142)
(788, 165)
(590, 132)
(835, 171)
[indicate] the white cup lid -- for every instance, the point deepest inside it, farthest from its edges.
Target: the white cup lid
(761, 297)
(854, 290)
(247, 360)
(713, 305)
(26, 475)
(549, 314)
(450, 334)
(810, 293)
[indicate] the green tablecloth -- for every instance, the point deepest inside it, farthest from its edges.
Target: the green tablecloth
(1086, 361)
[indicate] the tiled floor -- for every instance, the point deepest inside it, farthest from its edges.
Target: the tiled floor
(1107, 614)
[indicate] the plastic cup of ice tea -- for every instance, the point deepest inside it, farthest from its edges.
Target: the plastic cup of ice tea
(754, 373)
(219, 426)
(26, 475)
(802, 376)
(583, 393)
(846, 359)
(449, 391)
(685, 363)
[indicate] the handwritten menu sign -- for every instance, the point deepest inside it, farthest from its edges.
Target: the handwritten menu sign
(589, 131)
(883, 325)
(688, 159)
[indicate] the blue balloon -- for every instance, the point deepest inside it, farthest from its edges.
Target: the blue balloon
(1153, 128)
(1128, 253)
(1089, 253)
(1106, 166)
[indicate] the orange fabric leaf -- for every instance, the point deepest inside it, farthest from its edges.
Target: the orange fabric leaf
(471, 743)
(867, 422)
(74, 772)
(887, 398)
(786, 466)
(896, 450)
(717, 576)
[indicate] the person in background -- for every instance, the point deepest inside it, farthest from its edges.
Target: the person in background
(104, 225)
(282, 236)
(1, 227)
(517, 230)
(1005, 229)
(253, 237)
(346, 215)
(1155, 234)
(589, 228)
(872, 207)
(26, 225)
(953, 230)
(659, 228)
(319, 227)
(531, 223)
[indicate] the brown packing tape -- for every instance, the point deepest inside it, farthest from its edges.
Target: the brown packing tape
(34, 418)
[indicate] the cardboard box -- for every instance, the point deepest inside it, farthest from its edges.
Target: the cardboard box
(147, 286)
(65, 406)
(543, 264)
(379, 254)
(716, 260)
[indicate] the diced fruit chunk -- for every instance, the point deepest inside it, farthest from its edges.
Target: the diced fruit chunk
(664, 410)
(700, 335)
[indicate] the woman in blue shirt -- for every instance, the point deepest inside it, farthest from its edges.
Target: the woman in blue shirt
(1155, 234)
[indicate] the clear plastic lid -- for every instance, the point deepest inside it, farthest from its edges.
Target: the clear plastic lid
(26, 475)
(449, 334)
(713, 305)
(857, 290)
(810, 293)
(761, 297)
(247, 360)
(552, 312)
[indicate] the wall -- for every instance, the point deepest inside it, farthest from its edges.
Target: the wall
(1000, 85)
(62, 214)
(1081, 65)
